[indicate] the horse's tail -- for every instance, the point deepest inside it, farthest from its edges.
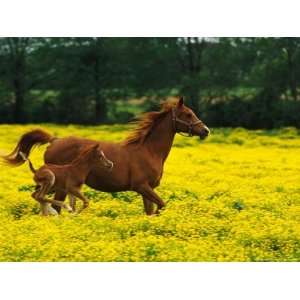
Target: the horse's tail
(27, 141)
(25, 158)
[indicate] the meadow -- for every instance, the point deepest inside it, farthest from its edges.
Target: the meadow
(232, 197)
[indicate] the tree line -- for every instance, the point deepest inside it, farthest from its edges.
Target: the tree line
(250, 82)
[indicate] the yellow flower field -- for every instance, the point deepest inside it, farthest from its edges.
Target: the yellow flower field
(232, 197)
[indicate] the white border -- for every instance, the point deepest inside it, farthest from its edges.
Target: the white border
(139, 280)
(149, 281)
(149, 18)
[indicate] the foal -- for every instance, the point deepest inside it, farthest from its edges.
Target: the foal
(68, 178)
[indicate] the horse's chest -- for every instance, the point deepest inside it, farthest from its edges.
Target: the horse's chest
(156, 182)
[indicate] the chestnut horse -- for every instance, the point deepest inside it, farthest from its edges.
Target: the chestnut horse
(138, 160)
(68, 178)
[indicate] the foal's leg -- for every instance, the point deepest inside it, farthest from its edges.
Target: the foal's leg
(44, 207)
(46, 181)
(58, 203)
(72, 201)
(76, 192)
(50, 209)
(60, 195)
(40, 194)
(146, 191)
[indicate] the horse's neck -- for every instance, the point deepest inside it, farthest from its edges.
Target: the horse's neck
(160, 140)
(83, 164)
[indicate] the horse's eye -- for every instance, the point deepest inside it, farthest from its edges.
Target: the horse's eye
(189, 115)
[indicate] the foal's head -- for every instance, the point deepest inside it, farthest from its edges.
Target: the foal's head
(97, 155)
(185, 120)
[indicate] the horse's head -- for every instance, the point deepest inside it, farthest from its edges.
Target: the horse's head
(185, 120)
(100, 156)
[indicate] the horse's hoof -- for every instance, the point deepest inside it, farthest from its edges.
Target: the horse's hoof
(52, 211)
(68, 208)
(152, 215)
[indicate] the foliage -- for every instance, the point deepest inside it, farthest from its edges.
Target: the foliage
(233, 197)
(52, 79)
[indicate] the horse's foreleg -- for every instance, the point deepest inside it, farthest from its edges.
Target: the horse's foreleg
(147, 192)
(75, 192)
(148, 206)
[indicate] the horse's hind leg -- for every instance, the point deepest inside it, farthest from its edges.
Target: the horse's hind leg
(46, 180)
(39, 195)
(58, 203)
(45, 207)
(50, 209)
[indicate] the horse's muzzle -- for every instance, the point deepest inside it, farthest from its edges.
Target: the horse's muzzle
(109, 165)
(204, 132)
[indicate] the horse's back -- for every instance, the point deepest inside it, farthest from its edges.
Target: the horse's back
(64, 150)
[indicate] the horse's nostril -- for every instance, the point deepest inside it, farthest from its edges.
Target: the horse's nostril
(204, 132)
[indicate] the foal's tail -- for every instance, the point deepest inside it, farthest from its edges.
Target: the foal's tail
(33, 170)
(27, 141)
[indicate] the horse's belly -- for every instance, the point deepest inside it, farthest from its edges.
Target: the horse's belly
(107, 182)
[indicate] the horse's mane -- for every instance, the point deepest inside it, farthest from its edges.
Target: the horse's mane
(146, 122)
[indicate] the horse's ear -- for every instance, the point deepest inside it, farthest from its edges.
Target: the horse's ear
(180, 102)
(95, 147)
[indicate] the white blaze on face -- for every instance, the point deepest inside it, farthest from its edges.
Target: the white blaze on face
(103, 157)
(208, 131)
(106, 161)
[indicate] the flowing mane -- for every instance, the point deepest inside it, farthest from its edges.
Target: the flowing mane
(146, 122)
